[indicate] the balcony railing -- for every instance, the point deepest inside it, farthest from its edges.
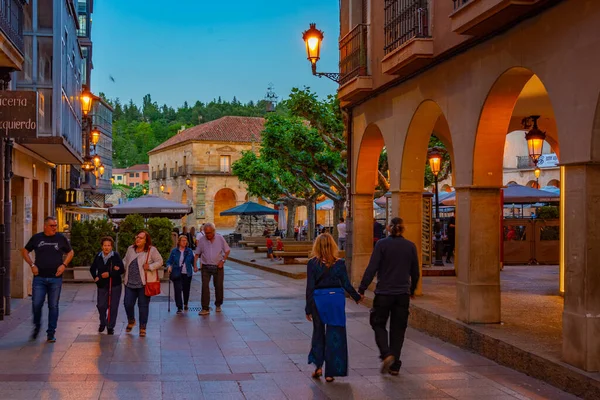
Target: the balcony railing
(11, 21)
(405, 20)
(459, 3)
(353, 54)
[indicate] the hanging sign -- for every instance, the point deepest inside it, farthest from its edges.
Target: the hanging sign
(18, 113)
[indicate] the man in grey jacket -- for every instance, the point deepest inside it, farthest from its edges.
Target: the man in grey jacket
(396, 264)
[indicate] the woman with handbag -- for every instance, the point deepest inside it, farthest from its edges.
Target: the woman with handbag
(180, 266)
(326, 282)
(142, 263)
(106, 270)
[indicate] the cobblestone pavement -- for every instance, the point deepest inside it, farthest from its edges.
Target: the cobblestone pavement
(255, 349)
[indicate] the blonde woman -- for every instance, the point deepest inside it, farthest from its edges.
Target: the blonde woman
(326, 282)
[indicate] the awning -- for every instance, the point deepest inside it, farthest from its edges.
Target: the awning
(85, 210)
(55, 149)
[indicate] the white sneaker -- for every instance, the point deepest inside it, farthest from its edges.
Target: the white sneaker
(204, 312)
(219, 309)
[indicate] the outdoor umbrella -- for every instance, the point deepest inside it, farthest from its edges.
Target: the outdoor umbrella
(517, 194)
(150, 206)
(249, 208)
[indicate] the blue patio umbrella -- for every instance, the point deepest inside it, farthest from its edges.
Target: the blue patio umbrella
(249, 208)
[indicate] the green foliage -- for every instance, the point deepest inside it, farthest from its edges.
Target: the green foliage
(547, 212)
(160, 231)
(138, 130)
(446, 168)
(138, 191)
(130, 226)
(85, 239)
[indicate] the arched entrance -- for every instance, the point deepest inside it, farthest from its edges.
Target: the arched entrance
(427, 121)
(224, 199)
(515, 96)
(367, 178)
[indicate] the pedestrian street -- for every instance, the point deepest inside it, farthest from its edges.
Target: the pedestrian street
(256, 348)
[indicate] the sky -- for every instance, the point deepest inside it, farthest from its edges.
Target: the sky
(188, 50)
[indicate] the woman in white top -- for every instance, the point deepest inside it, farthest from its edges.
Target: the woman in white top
(142, 262)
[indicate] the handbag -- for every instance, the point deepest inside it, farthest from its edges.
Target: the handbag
(330, 304)
(151, 288)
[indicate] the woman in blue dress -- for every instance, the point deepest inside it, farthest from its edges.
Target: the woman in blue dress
(329, 341)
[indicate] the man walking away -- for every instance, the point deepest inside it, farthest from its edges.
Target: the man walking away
(395, 262)
(213, 250)
(341, 227)
(50, 248)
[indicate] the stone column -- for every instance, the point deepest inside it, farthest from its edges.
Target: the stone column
(478, 254)
(409, 206)
(362, 235)
(581, 315)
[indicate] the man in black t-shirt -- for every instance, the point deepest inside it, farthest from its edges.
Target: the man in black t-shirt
(50, 262)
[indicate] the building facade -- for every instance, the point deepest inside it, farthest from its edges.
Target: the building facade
(471, 72)
(133, 176)
(194, 167)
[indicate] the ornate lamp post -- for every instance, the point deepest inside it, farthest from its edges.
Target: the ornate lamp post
(435, 163)
(537, 172)
(90, 137)
(313, 38)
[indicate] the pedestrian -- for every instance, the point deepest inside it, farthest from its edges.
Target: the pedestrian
(142, 262)
(270, 248)
(396, 264)
(52, 255)
(341, 227)
(279, 247)
(181, 268)
(106, 269)
(192, 238)
(212, 250)
(326, 282)
(451, 239)
(296, 231)
(378, 231)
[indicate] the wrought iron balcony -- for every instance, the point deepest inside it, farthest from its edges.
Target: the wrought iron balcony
(11, 21)
(405, 20)
(353, 54)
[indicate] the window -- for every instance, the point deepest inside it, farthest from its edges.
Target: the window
(119, 177)
(137, 174)
(131, 185)
(82, 25)
(137, 184)
(225, 163)
(45, 16)
(44, 60)
(131, 175)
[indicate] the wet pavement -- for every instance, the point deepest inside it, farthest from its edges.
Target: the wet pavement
(255, 349)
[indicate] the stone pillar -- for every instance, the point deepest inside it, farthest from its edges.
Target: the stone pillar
(478, 254)
(581, 315)
(362, 235)
(409, 206)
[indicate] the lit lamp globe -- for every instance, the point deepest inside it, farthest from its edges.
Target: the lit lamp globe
(86, 102)
(537, 172)
(313, 38)
(144, 190)
(188, 181)
(435, 161)
(101, 169)
(535, 140)
(95, 137)
(162, 188)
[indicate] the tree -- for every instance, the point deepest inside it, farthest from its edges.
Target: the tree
(138, 191)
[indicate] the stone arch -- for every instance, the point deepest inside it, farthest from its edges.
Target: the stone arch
(446, 188)
(554, 182)
(533, 184)
(512, 183)
(224, 199)
(371, 145)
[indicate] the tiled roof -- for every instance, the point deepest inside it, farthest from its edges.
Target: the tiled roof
(137, 167)
(226, 129)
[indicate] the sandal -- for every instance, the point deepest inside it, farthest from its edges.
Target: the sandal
(329, 379)
(318, 373)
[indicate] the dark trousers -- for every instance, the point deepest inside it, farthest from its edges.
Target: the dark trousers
(395, 308)
(218, 275)
(102, 305)
(41, 288)
(182, 290)
(450, 250)
(133, 295)
(329, 345)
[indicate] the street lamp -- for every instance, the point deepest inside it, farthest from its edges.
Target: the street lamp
(97, 161)
(95, 137)
(188, 181)
(101, 169)
(86, 102)
(535, 139)
(313, 38)
(537, 172)
(144, 190)
(435, 163)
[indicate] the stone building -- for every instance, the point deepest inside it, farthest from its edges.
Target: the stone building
(194, 167)
(471, 71)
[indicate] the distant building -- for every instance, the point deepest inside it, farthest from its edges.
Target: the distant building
(133, 176)
(203, 155)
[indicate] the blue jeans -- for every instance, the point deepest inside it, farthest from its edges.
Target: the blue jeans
(40, 288)
(133, 295)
